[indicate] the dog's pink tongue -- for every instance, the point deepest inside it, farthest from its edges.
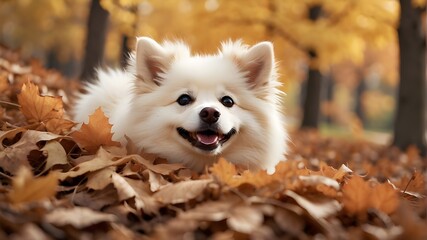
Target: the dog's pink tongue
(207, 139)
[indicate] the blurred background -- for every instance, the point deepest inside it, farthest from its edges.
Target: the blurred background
(338, 59)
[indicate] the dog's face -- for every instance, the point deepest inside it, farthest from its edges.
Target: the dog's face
(198, 106)
(204, 108)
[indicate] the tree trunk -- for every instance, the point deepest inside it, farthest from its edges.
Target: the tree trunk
(409, 126)
(358, 108)
(124, 56)
(329, 96)
(312, 99)
(95, 40)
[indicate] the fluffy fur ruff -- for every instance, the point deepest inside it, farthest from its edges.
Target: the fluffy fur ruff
(158, 100)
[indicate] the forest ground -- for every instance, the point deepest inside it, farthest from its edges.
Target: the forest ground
(62, 183)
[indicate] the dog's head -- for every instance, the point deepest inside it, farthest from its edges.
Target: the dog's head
(197, 106)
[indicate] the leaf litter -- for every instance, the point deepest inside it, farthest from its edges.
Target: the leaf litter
(60, 182)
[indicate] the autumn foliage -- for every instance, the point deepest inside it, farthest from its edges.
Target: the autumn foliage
(61, 180)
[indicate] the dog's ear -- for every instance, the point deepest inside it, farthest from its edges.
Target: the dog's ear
(258, 64)
(151, 60)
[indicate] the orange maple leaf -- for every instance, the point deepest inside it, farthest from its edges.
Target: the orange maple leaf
(43, 109)
(225, 172)
(359, 196)
(384, 198)
(96, 133)
(356, 193)
(37, 108)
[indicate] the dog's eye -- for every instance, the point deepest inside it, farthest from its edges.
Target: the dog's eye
(184, 99)
(227, 101)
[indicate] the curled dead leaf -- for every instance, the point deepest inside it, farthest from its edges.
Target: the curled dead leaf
(56, 155)
(319, 207)
(137, 190)
(314, 180)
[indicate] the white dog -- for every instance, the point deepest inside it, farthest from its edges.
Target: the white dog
(194, 109)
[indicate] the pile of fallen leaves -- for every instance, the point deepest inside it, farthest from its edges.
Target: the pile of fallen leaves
(62, 181)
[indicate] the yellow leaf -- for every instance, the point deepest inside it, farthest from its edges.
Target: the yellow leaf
(27, 188)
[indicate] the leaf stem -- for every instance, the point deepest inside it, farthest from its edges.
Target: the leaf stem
(10, 104)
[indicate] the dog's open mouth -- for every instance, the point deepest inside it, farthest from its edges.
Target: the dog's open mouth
(207, 140)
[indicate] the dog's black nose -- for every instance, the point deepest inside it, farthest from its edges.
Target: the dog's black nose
(209, 115)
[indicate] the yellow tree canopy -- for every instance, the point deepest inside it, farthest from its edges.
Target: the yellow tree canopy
(37, 26)
(341, 30)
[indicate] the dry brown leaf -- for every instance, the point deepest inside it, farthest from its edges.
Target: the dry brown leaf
(4, 83)
(96, 133)
(182, 191)
(101, 160)
(59, 125)
(394, 232)
(210, 211)
(129, 188)
(55, 153)
(30, 231)
(14, 156)
(121, 232)
(156, 181)
(95, 200)
(245, 219)
(258, 179)
(289, 221)
(342, 172)
(100, 179)
(356, 194)
(26, 188)
(164, 169)
(124, 190)
(78, 217)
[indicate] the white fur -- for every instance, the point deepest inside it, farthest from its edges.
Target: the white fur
(141, 102)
